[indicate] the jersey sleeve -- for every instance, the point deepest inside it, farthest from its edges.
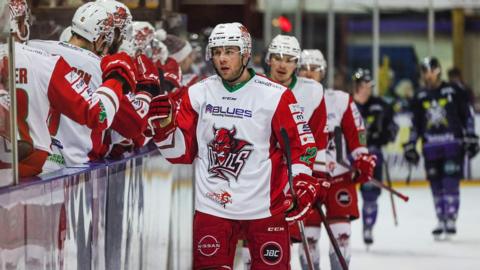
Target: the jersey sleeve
(318, 124)
(181, 146)
(354, 129)
(465, 110)
(131, 119)
(418, 119)
(70, 95)
(288, 115)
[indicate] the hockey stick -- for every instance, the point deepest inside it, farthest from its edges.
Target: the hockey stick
(339, 151)
(288, 154)
(333, 241)
(392, 200)
(409, 175)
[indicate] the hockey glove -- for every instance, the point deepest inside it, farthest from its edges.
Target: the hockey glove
(410, 153)
(120, 67)
(470, 145)
(364, 165)
(307, 190)
(147, 75)
(161, 118)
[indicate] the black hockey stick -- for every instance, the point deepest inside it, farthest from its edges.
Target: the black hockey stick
(288, 155)
(333, 241)
(339, 152)
(392, 200)
(409, 175)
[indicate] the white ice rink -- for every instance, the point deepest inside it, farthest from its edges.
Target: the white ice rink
(410, 246)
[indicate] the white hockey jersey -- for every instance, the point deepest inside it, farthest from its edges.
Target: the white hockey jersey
(46, 82)
(74, 144)
(232, 136)
(345, 131)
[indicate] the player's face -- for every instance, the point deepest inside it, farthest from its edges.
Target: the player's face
(365, 88)
(282, 67)
(312, 72)
(430, 77)
(228, 61)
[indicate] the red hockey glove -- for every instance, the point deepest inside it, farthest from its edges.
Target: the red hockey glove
(120, 67)
(307, 190)
(364, 164)
(161, 118)
(147, 75)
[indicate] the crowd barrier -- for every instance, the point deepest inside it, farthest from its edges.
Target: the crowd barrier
(130, 214)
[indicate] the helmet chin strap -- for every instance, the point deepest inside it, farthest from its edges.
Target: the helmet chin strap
(238, 75)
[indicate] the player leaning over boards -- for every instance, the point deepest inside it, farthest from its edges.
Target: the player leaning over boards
(443, 120)
(346, 135)
(46, 82)
(229, 128)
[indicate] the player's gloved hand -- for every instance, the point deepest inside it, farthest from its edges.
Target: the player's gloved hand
(307, 191)
(120, 67)
(410, 153)
(161, 118)
(147, 75)
(364, 165)
(470, 145)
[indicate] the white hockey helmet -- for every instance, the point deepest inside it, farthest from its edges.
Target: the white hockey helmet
(229, 34)
(19, 11)
(312, 57)
(66, 34)
(91, 21)
(122, 16)
(159, 51)
(284, 45)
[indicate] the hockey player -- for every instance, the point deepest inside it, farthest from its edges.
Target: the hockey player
(92, 35)
(122, 21)
(44, 81)
(346, 134)
(381, 129)
(229, 126)
(443, 120)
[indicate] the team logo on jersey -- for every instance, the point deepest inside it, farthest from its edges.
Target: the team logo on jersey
(271, 253)
(226, 154)
(222, 197)
(343, 198)
(436, 113)
(208, 245)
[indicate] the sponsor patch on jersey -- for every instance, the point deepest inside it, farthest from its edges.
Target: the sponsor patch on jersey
(303, 128)
(343, 197)
(271, 253)
(223, 197)
(227, 155)
(268, 83)
(225, 111)
(299, 118)
(295, 108)
(208, 245)
(307, 138)
(78, 84)
(357, 117)
(362, 137)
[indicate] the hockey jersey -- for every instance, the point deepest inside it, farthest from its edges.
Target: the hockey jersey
(74, 144)
(345, 131)
(309, 95)
(44, 81)
(232, 136)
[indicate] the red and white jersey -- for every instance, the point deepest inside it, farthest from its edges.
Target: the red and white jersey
(74, 144)
(232, 136)
(343, 116)
(309, 95)
(46, 82)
